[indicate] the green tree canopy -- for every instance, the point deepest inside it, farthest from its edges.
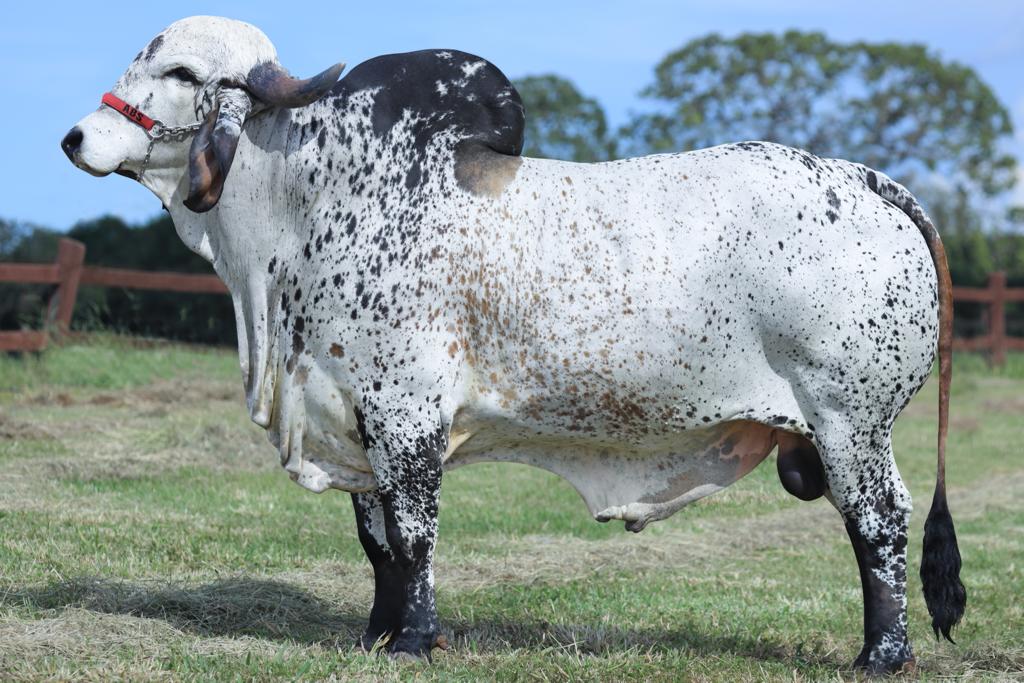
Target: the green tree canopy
(154, 245)
(26, 242)
(968, 244)
(561, 122)
(895, 107)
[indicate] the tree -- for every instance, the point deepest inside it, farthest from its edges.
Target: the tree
(109, 241)
(8, 238)
(561, 122)
(966, 241)
(26, 242)
(23, 305)
(895, 107)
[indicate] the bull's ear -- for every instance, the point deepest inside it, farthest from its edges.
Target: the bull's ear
(213, 149)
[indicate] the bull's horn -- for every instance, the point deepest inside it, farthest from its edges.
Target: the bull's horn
(271, 84)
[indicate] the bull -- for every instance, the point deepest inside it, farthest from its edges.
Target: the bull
(412, 295)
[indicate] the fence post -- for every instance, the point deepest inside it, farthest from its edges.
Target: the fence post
(997, 317)
(70, 257)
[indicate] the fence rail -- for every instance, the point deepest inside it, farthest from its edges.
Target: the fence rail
(70, 271)
(142, 279)
(996, 295)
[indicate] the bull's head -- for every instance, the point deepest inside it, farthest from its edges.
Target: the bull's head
(202, 76)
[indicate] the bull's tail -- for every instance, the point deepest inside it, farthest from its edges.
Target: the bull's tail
(940, 563)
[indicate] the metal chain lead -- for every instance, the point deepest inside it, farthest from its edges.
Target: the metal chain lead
(145, 162)
(177, 132)
(159, 132)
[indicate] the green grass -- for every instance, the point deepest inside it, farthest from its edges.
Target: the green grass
(147, 533)
(112, 362)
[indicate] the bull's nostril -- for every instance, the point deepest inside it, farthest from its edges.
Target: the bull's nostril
(72, 142)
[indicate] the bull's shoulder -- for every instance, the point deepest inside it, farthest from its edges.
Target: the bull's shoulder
(444, 91)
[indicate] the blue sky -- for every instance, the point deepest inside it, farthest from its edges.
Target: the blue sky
(57, 58)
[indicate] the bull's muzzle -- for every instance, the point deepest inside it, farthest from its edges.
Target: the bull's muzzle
(72, 142)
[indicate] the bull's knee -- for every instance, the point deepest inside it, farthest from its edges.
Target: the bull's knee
(800, 469)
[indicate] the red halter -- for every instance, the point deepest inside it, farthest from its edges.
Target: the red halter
(128, 111)
(155, 130)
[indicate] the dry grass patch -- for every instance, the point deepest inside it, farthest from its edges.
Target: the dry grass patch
(17, 430)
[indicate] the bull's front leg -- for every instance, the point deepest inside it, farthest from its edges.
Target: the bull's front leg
(389, 578)
(405, 449)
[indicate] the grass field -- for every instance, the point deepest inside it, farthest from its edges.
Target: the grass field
(148, 533)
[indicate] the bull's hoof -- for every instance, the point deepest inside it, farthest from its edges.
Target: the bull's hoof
(874, 663)
(416, 647)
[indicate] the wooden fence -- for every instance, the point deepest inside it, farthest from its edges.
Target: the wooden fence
(996, 295)
(69, 271)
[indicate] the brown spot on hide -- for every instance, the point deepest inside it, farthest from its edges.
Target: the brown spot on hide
(484, 172)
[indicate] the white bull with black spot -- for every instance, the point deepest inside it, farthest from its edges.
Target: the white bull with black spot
(411, 295)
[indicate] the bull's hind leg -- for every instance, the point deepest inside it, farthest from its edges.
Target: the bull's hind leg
(389, 578)
(866, 487)
(405, 449)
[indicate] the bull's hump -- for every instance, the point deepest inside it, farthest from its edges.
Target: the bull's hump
(446, 90)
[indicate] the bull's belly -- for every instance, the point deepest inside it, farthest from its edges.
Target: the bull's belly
(637, 480)
(635, 483)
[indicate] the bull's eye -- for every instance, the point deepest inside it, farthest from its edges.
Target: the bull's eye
(182, 74)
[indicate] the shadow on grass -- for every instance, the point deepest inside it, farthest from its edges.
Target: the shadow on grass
(494, 636)
(275, 610)
(229, 607)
